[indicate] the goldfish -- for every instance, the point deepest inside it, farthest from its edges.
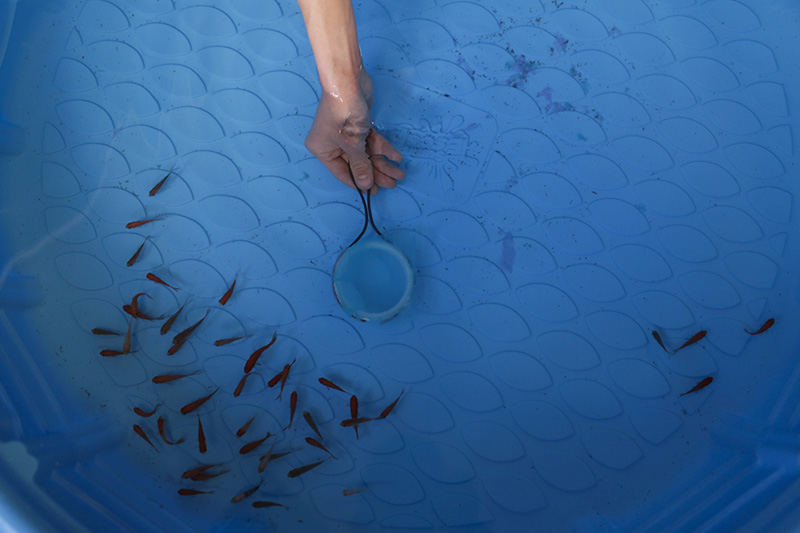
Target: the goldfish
(137, 223)
(240, 386)
(262, 463)
(201, 436)
(101, 331)
(350, 492)
(285, 375)
(242, 430)
(126, 344)
(292, 407)
(703, 383)
(354, 411)
(171, 320)
(317, 444)
(263, 503)
(162, 431)
(152, 277)
(245, 494)
(250, 446)
(351, 422)
(206, 477)
(111, 353)
(139, 431)
(157, 186)
(167, 378)
(764, 327)
(299, 471)
(312, 424)
(388, 410)
(143, 413)
(191, 406)
(223, 342)
(253, 359)
(135, 256)
(330, 384)
(660, 342)
(197, 470)
(193, 492)
(228, 293)
(695, 338)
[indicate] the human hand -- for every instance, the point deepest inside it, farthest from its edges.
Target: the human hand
(342, 135)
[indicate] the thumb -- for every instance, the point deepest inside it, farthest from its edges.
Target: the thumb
(361, 167)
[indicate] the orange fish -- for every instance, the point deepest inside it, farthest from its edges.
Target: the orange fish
(171, 320)
(143, 413)
(126, 345)
(660, 342)
(351, 422)
(354, 411)
(137, 314)
(191, 406)
(330, 384)
(250, 446)
(275, 379)
(111, 353)
(180, 339)
(139, 431)
(263, 503)
(703, 383)
(764, 327)
(253, 359)
(312, 424)
(201, 436)
(285, 375)
(299, 471)
(167, 378)
(223, 342)
(262, 463)
(162, 431)
(135, 256)
(292, 407)
(240, 386)
(695, 338)
(242, 430)
(317, 444)
(197, 470)
(245, 494)
(193, 492)
(137, 223)
(350, 492)
(227, 295)
(206, 477)
(156, 279)
(157, 186)
(388, 410)
(101, 331)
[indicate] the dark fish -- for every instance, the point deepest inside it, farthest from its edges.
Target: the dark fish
(312, 424)
(253, 359)
(388, 410)
(111, 353)
(223, 342)
(330, 384)
(197, 470)
(242, 430)
(660, 342)
(317, 444)
(101, 331)
(191, 406)
(143, 413)
(350, 492)
(181, 337)
(275, 379)
(764, 327)
(285, 376)
(162, 431)
(354, 411)
(281, 454)
(137, 223)
(171, 320)
(292, 407)
(137, 314)
(135, 256)
(126, 344)
(262, 463)
(695, 338)
(167, 378)
(206, 477)
(157, 186)
(156, 279)
(250, 446)
(263, 503)
(228, 293)
(193, 492)
(201, 436)
(240, 386)
(350, 422)
(300, 470)
(703, 383)
(139, 431)
(245, 494)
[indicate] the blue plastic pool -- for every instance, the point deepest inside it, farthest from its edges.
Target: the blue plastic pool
(581, 174)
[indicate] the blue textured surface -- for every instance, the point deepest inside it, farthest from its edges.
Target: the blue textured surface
(580, 173)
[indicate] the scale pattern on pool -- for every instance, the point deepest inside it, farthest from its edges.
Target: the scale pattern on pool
(577, 177)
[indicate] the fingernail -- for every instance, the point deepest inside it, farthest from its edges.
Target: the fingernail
(363, 179)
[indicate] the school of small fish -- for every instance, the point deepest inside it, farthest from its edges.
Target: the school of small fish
(204, 472)
(197, 474)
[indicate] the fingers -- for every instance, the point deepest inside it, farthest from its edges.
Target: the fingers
(340, 170)
(382, 165)
(377, 144)
(385, 181)
(362, 169)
